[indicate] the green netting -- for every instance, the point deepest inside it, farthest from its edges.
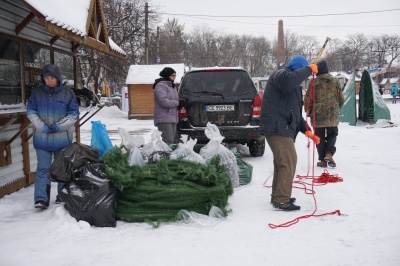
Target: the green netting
(371, 105)
(245, 169)
(156, 192)
(348, 111)
(366, 99)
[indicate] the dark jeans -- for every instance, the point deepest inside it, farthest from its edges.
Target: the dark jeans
(328, 136)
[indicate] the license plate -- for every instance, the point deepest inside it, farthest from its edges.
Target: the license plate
(220, 108)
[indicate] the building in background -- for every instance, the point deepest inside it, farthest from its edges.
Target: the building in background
(34, 33)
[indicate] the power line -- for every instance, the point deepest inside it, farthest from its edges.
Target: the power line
(288, 16)
(297, 25)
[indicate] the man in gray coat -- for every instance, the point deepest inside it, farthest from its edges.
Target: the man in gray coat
(281, 120)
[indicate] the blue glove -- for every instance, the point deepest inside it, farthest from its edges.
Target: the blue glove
(49, 129)
(53, 128)
(46, 129)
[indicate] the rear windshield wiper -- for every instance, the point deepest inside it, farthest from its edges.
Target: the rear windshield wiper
(210, 92)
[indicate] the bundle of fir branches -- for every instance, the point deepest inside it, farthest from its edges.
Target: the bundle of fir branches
(156, 192)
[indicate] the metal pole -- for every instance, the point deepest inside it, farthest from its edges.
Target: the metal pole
(158, 45)
(146, 33)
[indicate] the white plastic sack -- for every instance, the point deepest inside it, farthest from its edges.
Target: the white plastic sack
(185, 151)
(132, 143)
(214, 148)
(155, 145)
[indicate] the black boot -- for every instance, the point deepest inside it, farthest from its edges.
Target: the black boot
(286, 206)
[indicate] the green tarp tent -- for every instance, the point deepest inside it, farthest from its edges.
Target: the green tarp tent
(348, 112)
(371, 106)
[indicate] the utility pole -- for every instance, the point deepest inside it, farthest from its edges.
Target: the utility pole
(158, 45)
(146, 33)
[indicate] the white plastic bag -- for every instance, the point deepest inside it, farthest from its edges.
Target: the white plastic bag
(185, 151)
(214, 148)
(155, 145)
(215, 216)
(132, 143)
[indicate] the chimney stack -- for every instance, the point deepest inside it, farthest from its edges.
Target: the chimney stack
(281, 45)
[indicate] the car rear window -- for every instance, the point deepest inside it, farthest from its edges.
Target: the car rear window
(228, 83)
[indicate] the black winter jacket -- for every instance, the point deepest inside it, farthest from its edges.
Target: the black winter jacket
(281, 111)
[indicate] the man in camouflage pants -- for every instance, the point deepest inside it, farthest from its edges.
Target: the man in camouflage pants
(326, 103)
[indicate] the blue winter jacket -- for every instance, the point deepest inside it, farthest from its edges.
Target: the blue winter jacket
(53, 113)
(395, 89)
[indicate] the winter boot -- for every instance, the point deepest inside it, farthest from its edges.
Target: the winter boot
(322, 164)
(291, 200)
(41, 205)
(286, 206)
(58, 200)
(329, 159)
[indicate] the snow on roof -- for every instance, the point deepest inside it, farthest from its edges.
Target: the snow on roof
(12, 108)
(347, 76)
(215, 67)
(389, 80)
(115, 47)
(71, 15)
(146, 74)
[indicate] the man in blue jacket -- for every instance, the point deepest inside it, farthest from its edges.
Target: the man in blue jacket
(281, 120)
(53, 111)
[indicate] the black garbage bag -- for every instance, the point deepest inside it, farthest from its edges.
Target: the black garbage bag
(70, 160)
(90, 196)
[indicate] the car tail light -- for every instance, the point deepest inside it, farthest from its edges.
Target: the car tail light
(256, 106)
(182, 113)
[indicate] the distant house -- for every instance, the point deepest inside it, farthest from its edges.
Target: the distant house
(140, 82)
(387, 84)
(343, 78)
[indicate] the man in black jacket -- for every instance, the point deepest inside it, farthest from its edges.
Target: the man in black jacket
(281, 120)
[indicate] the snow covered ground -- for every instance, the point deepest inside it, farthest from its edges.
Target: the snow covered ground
(367, 232)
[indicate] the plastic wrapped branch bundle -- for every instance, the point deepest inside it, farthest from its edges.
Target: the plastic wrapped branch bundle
(185, 151)
(133, 143)
(155, 145)
(214, 148)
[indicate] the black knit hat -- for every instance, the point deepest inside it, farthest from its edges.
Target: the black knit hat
(322, 67)
(166, 72)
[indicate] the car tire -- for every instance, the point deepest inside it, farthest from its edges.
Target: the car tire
(256, 148)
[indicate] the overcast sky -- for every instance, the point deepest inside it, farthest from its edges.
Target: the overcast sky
(312, 19)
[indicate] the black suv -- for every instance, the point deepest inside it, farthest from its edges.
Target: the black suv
(226, 97)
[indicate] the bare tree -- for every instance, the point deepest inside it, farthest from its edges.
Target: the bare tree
(308, 47)
(125, 21)
(171, 43)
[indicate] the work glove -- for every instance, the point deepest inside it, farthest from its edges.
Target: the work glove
(314, 68)
(312, 136)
